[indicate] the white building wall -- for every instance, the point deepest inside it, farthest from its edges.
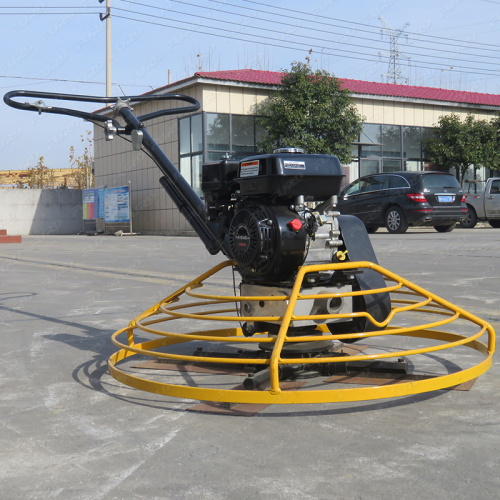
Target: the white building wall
(412, 113)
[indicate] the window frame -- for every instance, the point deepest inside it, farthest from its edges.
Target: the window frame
(192, 155)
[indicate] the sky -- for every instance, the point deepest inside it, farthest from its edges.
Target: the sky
(59, 46)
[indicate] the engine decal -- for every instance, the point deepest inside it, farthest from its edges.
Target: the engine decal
(296, 165)
(249, 168)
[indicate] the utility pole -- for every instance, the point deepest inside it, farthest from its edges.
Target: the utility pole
(393, 74)
(107, 17)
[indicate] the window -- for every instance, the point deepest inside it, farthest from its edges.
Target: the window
(260, 133)
(185, 135)
(196, 162)
(242, 136)
(236, 135)
(391, 165)
(196, 133)
(391, 140)
(376, 183)
(426, 134)
(190, 167)
(190, 134)
(355, 188)
(191, 150)
(370, 140)
(390, 148)
(398, 182)
(212, 136)
(217, 135)
(368, 184)
(495, 187)
(438, 181)
(368, 167)
(185, 164)
(412, 143)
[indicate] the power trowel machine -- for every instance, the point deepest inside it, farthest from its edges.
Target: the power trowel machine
(309, 276)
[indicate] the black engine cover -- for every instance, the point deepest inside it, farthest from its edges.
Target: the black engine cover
(315, 176)
(263, 243)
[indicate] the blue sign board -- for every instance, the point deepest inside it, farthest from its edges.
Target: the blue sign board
(116, 204)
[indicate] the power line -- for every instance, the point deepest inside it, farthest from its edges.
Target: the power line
(281, 15)
(352, 54)
(47, 7)
(358, 37)
(47, 13)
(302, 13)
(66, 80)
(47, 79)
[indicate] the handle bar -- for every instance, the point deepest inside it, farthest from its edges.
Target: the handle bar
(186, 199)
(41, 107)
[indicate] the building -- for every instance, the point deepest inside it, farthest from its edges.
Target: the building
(397, 119)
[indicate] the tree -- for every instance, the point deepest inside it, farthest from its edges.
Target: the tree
(310, 111)
(38, 177)
(495, 122)
(463, 144)
(83, 175)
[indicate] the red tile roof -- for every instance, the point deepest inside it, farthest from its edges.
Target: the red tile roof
(244, 75)
(362, 87)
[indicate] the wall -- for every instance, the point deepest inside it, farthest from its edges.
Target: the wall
(116, 164)
(41, 211)
(387, 111)
(235, 100)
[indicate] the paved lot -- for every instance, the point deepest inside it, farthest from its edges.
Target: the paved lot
(71, 431)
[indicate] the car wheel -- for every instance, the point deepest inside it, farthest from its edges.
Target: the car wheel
(494, 223)
(395, 221)
(445, 229)
(371, 229)
(470, 220)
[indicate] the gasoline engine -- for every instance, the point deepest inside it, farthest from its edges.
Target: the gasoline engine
(274, 213)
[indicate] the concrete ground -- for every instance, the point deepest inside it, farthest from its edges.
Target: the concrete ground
(69, 430)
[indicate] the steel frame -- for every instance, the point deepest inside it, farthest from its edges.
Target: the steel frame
(180, 304)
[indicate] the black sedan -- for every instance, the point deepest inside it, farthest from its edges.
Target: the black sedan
(397, 200)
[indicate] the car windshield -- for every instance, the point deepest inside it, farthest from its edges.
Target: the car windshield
(437, 181)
